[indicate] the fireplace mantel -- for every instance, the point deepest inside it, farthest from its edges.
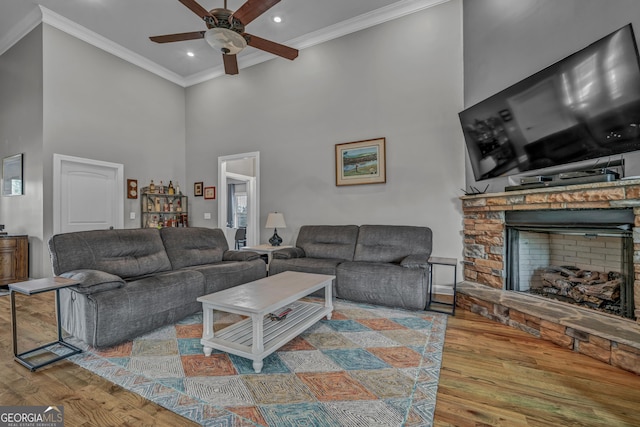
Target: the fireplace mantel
(484, 244)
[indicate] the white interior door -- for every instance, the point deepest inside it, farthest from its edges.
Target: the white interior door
(87, 194)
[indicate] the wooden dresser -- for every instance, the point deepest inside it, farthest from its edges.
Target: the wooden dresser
(14, 258)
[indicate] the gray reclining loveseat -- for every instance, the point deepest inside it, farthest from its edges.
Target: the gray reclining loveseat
(376, 264)
(136, 280)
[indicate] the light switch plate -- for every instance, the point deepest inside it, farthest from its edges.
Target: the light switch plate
(207, 215)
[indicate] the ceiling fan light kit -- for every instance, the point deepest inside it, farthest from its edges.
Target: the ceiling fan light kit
(226, 31)
(225, 40)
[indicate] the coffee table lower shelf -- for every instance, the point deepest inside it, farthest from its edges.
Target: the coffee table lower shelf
(254, 338)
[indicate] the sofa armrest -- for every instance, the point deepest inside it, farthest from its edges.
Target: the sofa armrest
(93, 281)
(231, 255)
(416, 261)
(288, 253)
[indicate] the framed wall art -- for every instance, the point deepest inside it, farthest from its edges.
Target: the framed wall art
(361, 162)
(209, 192)
(132, 188)
(12, 184)
(197, 189)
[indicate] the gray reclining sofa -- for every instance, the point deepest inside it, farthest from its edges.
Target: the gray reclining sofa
(376, 264)
(136, 280)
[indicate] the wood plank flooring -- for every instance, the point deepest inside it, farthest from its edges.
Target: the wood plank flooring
(492, 375)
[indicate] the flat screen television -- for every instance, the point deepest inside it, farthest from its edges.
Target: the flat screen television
(585, 106)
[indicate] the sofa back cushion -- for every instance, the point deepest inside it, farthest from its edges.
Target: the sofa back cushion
(125, 253)
(328, 241)
(392, 243)
(194, 245)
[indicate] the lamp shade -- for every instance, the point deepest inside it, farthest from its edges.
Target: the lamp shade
(275, 220)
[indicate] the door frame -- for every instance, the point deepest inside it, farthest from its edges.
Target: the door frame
(253, 195)
(59, 159)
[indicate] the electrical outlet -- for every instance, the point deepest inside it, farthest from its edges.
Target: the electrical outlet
(132, 215)
(207, 215)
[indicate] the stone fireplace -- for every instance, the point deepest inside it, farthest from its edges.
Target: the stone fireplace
(593, 229)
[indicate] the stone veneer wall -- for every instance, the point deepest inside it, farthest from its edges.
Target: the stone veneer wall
(484, 257)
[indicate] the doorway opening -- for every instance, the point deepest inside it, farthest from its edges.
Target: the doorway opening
(239, 191)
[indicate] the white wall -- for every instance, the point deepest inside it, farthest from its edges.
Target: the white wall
(21, 132)
(401, 80)
(506, 41)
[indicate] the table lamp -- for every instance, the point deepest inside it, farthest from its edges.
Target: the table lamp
(275, 220)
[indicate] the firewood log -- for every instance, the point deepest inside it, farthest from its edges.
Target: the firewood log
(567, 271)
(607, 291)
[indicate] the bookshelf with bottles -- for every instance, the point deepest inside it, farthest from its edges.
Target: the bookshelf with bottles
(163, 206)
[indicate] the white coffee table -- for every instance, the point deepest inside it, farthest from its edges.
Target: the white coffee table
(258, 336)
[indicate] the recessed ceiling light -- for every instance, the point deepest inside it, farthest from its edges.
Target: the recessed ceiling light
(191, 53)
(277, 19)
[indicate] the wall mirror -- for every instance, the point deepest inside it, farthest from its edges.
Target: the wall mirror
(12, 176)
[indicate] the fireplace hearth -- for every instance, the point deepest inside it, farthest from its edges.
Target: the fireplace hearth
(587, 229)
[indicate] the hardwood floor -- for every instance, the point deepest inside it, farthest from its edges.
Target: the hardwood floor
(492, 375)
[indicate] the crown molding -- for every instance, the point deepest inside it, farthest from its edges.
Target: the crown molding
(21, 29)
(370, 19)
(78, 31)
(375, 17)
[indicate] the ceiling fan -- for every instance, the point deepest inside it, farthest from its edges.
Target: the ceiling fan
(226, 31)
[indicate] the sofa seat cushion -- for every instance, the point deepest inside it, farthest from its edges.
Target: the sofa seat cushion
(124, 253)
(193, 246)
(383, 283)
(392, 243)
(226, 274)
(328, 241)
(305, 265)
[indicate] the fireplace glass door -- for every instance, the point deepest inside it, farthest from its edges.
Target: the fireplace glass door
(588, 263)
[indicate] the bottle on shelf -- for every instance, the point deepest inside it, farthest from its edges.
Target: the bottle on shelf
(157, 204)
(178, 192)
(161, 189)
(152, 187)
(171, 191)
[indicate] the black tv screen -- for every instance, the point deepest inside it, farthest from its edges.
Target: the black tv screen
(583, 107)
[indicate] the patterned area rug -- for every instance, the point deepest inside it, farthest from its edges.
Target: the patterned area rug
(367, 366)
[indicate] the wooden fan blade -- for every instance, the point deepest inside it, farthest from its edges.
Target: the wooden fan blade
(196, 8)
(252, 9)
(168, 38)
(230, 63)
(271, 47)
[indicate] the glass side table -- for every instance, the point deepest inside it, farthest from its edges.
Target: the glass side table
(32, 287)
(441, 306)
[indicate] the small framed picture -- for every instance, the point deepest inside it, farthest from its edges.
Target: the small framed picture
(209, 192)
(132, 188)
(197, 189)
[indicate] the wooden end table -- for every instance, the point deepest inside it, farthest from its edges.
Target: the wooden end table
(32, 287)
